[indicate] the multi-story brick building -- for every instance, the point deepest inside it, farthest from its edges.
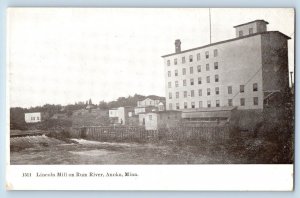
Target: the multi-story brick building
(246, 71)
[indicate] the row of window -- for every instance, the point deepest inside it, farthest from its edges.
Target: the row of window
(33, 118)
(208, 103)
(192, 82)
(199, 69)
(208, 91)
(191, 58)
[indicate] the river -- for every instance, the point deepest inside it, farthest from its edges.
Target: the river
(45, 150)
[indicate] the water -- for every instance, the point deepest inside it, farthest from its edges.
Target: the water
(44, 150)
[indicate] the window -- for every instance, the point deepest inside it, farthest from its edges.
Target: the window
(242, 88)
(183, 59)
(176, 72)
(207, 54)
(229, 89)
(207, 67)
(198, 57)
(192, 93)
(191, 70)
(183, 71)
(170, 106)
(170, 95)
(217, 90)
(37, 118)
(200, 92)
(200, 104)
(208, 79)
(199, 68)
(240, 33)
(208, 104)
(215, 52)
(150, 117)
(250, 30)
(175, 61)
(168, 63)
(185, 94)
(217, 78)
(176, 83)
(230, 102)
(217, 103)
(208, 91)
(184, 82)
(199, 81)
(177, 94)
(177, 105)
(169, 84)
(185, 105)
(192, 81)
(242, 101)
(193, 105)
(255, 101)
(216, 65)
(255, 87)
(191, 58)
(169, 73)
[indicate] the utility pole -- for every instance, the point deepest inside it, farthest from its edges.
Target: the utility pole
(209, 26)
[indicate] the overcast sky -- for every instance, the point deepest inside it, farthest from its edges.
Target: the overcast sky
(64, 55)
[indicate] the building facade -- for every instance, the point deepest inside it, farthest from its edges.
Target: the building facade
(33, 117)
(244, 71)
(120, 115)
(151, 103)
(162, 120)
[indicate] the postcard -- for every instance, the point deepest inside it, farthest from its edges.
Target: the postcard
(150, 99)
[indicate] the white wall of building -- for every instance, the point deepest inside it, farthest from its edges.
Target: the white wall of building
(33, 117)
(151, 121)
(138, 110)
(148, 102)
(118, 113)
(239, 63)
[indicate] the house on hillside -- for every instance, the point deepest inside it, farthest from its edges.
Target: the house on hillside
(151, 103)
(33, 117)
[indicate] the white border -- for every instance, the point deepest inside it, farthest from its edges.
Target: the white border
(150, 177)
(155, 177)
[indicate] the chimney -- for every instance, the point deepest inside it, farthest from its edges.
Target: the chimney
(177, 46)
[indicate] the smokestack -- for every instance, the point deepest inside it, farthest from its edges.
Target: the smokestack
(177, 46)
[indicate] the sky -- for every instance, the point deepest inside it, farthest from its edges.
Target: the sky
(66, 55)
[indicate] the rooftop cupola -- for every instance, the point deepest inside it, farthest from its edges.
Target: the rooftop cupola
(252, 27)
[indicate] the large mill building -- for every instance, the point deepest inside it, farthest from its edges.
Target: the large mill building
(248, 72)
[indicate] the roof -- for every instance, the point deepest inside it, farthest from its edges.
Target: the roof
(213, 112)
(126, 107)
(260, 20)
(165, 112)
(89, 106)
(225, 41)
(32, 112)
(210, 109)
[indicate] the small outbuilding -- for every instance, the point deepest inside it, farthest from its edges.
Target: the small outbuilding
(162, 119)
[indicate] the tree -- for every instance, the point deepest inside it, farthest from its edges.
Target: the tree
(103, 105)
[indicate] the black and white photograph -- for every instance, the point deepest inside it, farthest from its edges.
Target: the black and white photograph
(151, 86)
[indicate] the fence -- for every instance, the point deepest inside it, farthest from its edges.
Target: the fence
(122, 133)
(118, 133)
